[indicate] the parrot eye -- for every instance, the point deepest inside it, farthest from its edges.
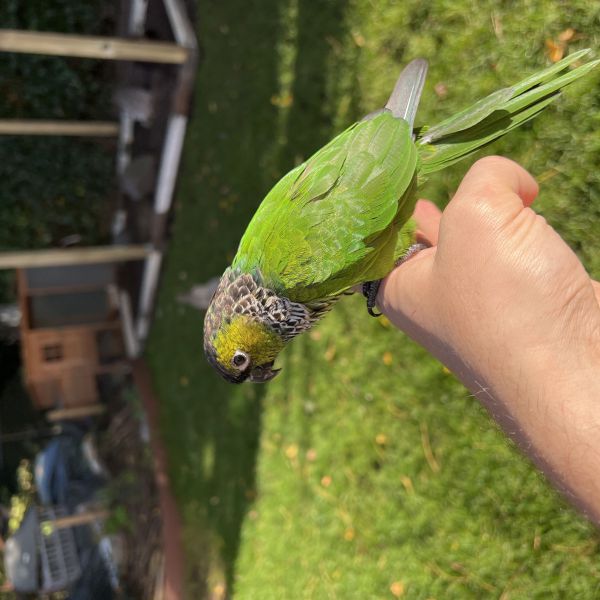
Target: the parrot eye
(240, 360)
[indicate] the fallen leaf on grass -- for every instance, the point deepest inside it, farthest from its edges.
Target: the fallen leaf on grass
(282, 100)
(359, 39)
(537, 540)
(497, 25)
(427, 450)
(407, 483)
(381, 439)
(397, 589)
(555, 51)
(291, 451)
(566, 35)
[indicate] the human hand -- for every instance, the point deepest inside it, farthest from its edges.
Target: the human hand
(504, 302)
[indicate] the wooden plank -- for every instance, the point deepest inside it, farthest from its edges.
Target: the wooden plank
(75, 412)
(82, 518)
(72, 256)
(71, 128)
(60, 44)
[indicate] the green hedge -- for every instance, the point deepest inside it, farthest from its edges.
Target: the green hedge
(52, 187)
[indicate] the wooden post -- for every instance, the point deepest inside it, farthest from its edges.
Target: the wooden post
(76, 128)
(28, 259)
(60, 44)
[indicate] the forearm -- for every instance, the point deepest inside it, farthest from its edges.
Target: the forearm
(548, 403)
(552, 411)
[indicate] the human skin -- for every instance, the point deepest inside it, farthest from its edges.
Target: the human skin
(505, 304)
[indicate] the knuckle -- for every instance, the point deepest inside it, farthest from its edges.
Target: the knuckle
(484, 206)
(493, 160)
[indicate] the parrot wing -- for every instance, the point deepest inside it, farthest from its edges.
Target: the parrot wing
(492, 117)
(332, 222)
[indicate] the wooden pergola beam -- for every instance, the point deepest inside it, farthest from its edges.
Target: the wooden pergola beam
(28, 259)
(83, 46)
(70, 128)
(75, 412)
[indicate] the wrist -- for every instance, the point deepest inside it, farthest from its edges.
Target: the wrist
(545, 371)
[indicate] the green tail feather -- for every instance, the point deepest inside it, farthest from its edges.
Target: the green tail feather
(492, 117)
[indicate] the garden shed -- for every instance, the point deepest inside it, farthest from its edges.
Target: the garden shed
(71, 336)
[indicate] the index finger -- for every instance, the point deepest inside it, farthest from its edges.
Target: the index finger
(428, 217)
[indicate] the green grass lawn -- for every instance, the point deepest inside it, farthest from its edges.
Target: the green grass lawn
(365, 470)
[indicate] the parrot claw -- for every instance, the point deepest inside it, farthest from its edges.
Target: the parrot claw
(370, 290)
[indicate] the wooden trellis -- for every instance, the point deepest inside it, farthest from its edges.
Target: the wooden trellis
(181, 53)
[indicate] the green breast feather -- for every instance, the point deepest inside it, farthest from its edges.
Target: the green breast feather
(333, 222)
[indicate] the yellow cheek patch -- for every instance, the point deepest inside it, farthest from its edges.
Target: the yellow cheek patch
(262, 344)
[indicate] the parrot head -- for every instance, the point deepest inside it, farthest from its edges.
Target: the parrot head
(240, 340)
(243, 349)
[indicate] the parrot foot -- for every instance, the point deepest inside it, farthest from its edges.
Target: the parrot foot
(370, 289)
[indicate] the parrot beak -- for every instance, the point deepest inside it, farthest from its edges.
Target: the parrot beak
(263, 374)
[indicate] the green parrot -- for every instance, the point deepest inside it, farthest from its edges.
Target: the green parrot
(343, 217)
